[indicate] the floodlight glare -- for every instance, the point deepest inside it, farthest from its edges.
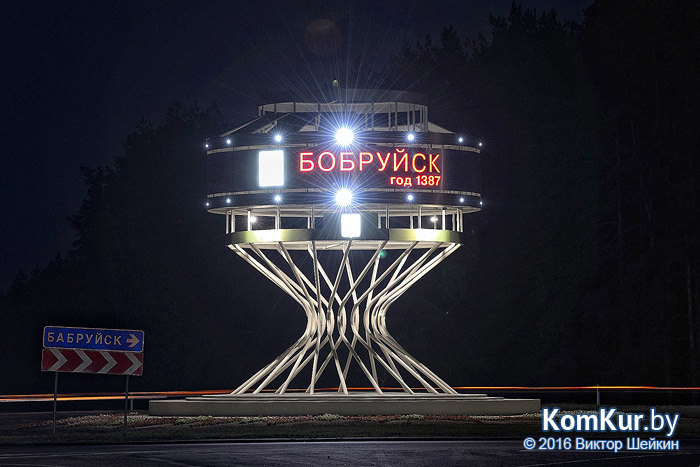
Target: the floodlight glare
(461, 140)
(433, 219)
(228, 141)
(461, 200)
(206, 145)
(271, 168)
(278, 138)
(343, 197)
(411, 137)
(480, 144)
(344, 136)
(350, 225)
(409, 197)
(278, 198)
(228, 200)
(207, 203)
(253, 219)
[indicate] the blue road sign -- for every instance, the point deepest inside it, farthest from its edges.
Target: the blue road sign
(93, 338)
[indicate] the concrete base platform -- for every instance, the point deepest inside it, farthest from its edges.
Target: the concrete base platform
(352, 404)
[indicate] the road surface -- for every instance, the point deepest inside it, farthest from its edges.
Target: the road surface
(336, 453)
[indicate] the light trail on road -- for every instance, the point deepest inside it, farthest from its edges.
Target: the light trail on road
(167, 394)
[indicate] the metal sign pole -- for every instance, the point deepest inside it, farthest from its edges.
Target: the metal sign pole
(126, 402)
(55, 396)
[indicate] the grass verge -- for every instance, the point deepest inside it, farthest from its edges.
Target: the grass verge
(107, 428)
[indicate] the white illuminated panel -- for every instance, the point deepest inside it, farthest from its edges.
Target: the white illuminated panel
(271, 168)
(350, 225)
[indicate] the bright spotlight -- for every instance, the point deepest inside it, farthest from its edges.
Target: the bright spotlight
(461, 200)
(411, 137)
(278, 138)
(206, 145)
(409, 197)
(278, 198)
(228, 200)
(253, 219)
(207, 203)
(343, 197)
(228, 141)
(461, 140)
(433, 219)
(480, 144)
(481, 203)
(344, 136)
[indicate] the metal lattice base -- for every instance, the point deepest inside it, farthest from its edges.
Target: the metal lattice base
(344, 328)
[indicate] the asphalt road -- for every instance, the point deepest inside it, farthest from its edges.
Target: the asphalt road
(336, 453)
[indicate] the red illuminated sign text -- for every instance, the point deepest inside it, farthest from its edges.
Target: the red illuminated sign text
(397, 161)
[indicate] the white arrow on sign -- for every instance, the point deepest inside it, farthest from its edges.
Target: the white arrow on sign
(132, 340)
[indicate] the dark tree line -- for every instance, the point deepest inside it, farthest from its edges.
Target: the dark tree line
(585, 260)
(581, 269)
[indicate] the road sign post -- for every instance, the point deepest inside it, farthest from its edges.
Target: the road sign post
(55, 397)
(126, 402)
(92, 350)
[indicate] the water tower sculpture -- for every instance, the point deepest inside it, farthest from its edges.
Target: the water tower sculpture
(344, 204)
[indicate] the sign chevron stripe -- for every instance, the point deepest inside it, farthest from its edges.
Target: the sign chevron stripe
(110, 362)
(92, 361)
(136, 364)
(86, 361)
(60, 360)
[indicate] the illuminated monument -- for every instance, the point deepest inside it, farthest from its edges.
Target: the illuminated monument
(344, 204)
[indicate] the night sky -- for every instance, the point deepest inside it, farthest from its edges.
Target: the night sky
(77, 78)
